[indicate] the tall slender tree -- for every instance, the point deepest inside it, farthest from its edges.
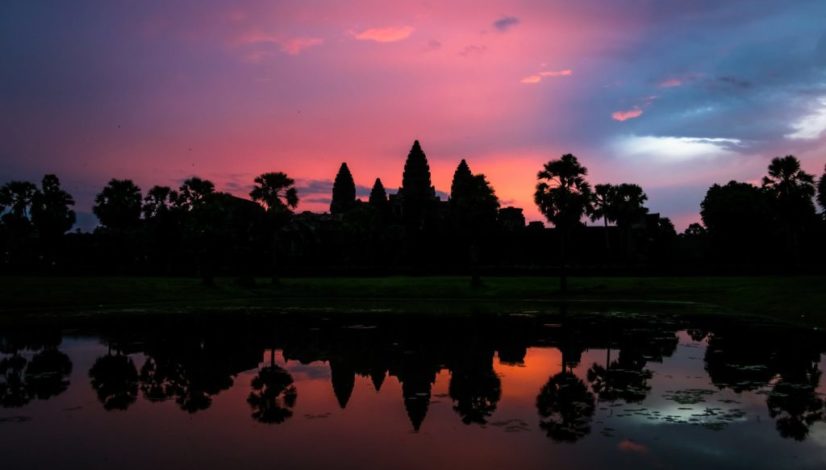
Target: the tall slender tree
(563, 196)
(276, 192)
(51, 209)
(791, 190)
(628, 209)
(158, 201)
(193, 193)
(821, 191)
(17, 198)
(602, 207)
(344, 191)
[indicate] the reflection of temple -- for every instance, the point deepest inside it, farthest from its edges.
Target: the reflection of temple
(190, 366)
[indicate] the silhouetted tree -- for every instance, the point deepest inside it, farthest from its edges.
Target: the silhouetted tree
(417, 192)
(736, 217)
(194, 193)
(277, 193)
(118, 205)
(344, 191)
(159, 201)
(51, 209)
(603, 207)
(821, 191)
(474, 208)
(791, 190)
(17, 197)
(563, 196)
(628, 210)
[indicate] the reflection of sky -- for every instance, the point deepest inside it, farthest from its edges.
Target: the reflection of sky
(374, 428)
(672, 95)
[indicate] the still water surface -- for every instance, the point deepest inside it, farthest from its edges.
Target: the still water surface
(510, 391)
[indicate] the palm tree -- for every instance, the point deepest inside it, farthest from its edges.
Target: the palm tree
(563, 197)
(16, 198)
(821, 191)
(277, 193)
(118, 205)
(628, 210)
(792, 190)
(602, 207)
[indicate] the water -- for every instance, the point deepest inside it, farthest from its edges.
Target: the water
(509, 391)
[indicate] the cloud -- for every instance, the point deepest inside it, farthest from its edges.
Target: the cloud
(472, 49)
(674, 149)
(670, 83)
(505, 23)
(292, 46)
(621, 116)
(537, 77)
(810, 126)
(387, 34)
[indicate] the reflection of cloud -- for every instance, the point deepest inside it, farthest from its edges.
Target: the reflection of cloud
(388, 34)
(632, 113)
(810, 126)
(505, 23)
(674, 149)
(628, 445)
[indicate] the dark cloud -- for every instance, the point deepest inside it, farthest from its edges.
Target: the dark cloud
(505, 23)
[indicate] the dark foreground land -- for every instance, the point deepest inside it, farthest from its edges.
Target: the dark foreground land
(796, 299)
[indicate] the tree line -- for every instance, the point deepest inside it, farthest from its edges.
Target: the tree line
(196, 230)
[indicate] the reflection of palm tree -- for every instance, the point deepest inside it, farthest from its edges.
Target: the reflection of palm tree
(273, 394)
(566, 408)
(794, 401)
(115, 380)
(13, 390)
(476, 393)
(48, 373)
(795, 406)
(161, 379)
(625, 379)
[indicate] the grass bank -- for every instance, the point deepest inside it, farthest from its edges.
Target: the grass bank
(794, 299)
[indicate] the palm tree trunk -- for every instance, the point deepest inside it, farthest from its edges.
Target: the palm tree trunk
(563, 277)
(275, 257)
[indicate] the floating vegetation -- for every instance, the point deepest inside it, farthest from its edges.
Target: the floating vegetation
(690, 396)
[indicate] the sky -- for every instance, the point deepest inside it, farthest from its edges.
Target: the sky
(672, 95)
